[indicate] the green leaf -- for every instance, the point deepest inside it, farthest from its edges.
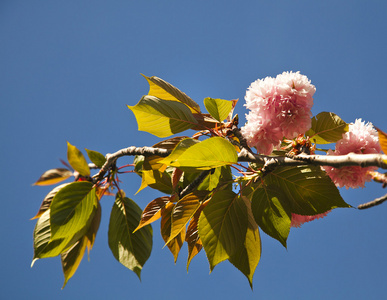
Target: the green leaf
(218, 108)
(72, 210)
(162, 117)
(210, 153)
(272, 211)
(48, 199)
(153, 177)
(308, 189)
(72, 258)
(223, 226)
(153, 172)
(248, 258)
(130, 249)
(166, 91)
(138, 162)
(327, 128)
(180, 148)
(97, 158)
(77, 161)
(53, 176)
(43, 246)
(220, 175)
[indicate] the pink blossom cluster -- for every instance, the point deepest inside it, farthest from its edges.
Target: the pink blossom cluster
(361, 138)
(298, 220)
(279, 107)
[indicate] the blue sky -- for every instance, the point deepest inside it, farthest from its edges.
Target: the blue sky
(69, 68)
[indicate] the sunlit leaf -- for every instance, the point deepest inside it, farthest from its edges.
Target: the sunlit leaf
(96, 158)
(382, 140)
(210, 153)
(220, 175)
(77, 160)
(223, 226)
(152, 211)
(72, 258)
(162, 117)
(180, 148)
(48, 199)
(165, 227)
(72, 210)
(53, 176)
(130, 249)
(166, 91)
(218, 108)
(327, 128)
(183, 211)
(247, 259)
(153, 172)
(155, 179)
(43, 246)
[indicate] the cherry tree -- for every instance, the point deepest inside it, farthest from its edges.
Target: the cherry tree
(221, 187)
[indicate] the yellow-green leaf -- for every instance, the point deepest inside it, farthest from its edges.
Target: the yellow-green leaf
(97, 158)
(223, 226)
(162, 117)
(327, 128)
(247, 259)
(53, 176)
(43, 246)
(77, 160)
(308, 189)
(72, 258)
(272, 211)
(164, 90)
(180, 148)
(72, 210)
(218, 108)
(210, 153)
(131, 249)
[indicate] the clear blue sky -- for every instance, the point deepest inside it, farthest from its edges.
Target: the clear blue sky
(67, 71)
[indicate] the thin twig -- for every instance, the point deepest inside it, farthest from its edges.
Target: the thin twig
(372, 203)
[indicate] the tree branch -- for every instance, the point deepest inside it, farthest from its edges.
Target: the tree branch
(336, 161)
(130, 151)
(372, 203)
(268, 162)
